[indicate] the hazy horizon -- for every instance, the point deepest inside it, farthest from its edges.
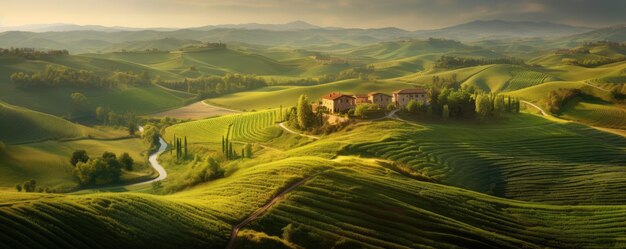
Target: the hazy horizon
(405, 14)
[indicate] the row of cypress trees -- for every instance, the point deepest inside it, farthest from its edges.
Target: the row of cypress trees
(181, 147)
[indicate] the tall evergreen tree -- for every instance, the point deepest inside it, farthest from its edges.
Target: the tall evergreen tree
(185, 146)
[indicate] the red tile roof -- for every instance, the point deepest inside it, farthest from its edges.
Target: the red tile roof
(333, 96)
(411, 91)
(360, 95)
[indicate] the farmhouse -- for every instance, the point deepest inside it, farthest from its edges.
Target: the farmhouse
(403, 97)
(380, 99)
(337, 102)
(361, 99)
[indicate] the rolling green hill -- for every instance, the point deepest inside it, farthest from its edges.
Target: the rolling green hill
(503, 78)
(48, 162)
(57, 100)
(20, 125)
(357, 185)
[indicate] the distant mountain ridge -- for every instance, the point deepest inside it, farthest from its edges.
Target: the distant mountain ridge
(502, 29)
(296, 34)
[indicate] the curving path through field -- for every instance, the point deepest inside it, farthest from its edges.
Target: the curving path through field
(261, 210)
(154, 162)
(282, 125)
(536, 107)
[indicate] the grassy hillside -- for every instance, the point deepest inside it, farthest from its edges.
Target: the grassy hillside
(275, 96)
(57, 100)
(349, 199)
(20, 125)
(502, 78)
(597, 114)
(530, 159)
(48, 162)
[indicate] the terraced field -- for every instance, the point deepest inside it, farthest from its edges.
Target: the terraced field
(246, 127)
(543, 162)
(366, 206)
(526, 78)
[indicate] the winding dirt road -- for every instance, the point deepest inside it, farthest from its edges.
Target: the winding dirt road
(154, 162)
(261, 210)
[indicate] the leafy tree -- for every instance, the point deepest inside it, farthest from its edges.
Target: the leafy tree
(127, 161)
(18, 187)
(151, 136)
(412, 106)
(78, 98)
(112, 172)
(483, 106)
(499, 105)
(446, 112)
(86, 171)
(305, 113)
(30, 186)
(360, 109)
(79, 156)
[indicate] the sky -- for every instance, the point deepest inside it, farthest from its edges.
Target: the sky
(406, 14)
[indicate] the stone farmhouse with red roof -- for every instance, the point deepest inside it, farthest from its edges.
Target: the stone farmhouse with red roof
(337, 102)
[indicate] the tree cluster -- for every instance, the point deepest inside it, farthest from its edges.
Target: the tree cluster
(56, 76)
(557, 99)
(31, 53)
(180, 146)
(211, 86)
(591, 62)
(493, 104)
(108, 117)
(227, 146)
(100, 170)
(302, 116)
(457, 62)
(27, 186)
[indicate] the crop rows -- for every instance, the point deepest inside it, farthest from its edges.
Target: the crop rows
(384, 210)
(599, 115)
(246, 127)
(525, 78)
(566, 164)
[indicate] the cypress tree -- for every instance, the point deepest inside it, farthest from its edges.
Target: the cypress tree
(185, 146)
(230, 150)
(222, 144)
(509, 106)
(242, 154)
